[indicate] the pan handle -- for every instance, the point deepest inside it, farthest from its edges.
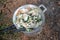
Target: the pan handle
(43, 8)
(13, 28)
(8, 28)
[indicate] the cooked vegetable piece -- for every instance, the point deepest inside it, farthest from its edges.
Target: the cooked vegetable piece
(25, 18)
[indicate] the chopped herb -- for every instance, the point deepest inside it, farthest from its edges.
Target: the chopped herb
(30, 14)
(21, 26)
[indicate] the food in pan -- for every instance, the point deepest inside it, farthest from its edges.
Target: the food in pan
(28, 17)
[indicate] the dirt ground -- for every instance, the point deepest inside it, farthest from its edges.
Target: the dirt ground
(51, 29)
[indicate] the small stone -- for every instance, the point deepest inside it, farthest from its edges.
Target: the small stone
(51, 37)
(59, 2)
(53, 8)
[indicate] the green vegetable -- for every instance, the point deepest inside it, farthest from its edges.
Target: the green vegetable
(38, 20)
(29, 29)
(21, 26)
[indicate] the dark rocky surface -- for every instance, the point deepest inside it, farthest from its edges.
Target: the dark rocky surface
(51, 30)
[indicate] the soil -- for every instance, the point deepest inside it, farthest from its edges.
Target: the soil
(51, 29)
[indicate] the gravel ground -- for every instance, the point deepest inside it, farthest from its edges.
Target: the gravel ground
(51, 30)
